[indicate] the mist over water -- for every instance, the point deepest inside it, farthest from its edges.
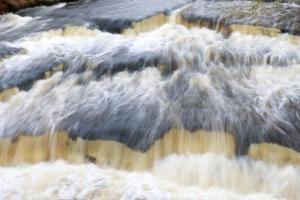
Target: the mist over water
(150, 103)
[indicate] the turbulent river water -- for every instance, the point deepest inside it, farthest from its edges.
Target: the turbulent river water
(161, 99)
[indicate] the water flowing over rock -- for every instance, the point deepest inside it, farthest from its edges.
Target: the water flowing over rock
(174, 78)
(106, 15)
(169, 98)
(224, 13)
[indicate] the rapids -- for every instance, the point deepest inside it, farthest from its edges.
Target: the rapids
(163, 99)
(205, 176)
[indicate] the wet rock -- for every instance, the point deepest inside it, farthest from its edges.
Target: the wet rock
(3, 7)
(15, 5)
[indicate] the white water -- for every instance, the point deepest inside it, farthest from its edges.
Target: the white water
(176, 177)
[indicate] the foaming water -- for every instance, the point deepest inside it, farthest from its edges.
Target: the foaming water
(215, 176)
(240, 175)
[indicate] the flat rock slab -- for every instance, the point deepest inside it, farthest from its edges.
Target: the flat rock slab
(107, 15)
(282, 16)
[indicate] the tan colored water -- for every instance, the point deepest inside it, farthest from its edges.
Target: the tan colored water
(29, 149)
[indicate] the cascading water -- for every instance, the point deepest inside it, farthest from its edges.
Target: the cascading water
(140, 100)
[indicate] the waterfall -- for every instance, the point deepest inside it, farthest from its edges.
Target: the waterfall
(150, 100)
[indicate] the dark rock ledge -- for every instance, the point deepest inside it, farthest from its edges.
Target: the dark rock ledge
(15, 5)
